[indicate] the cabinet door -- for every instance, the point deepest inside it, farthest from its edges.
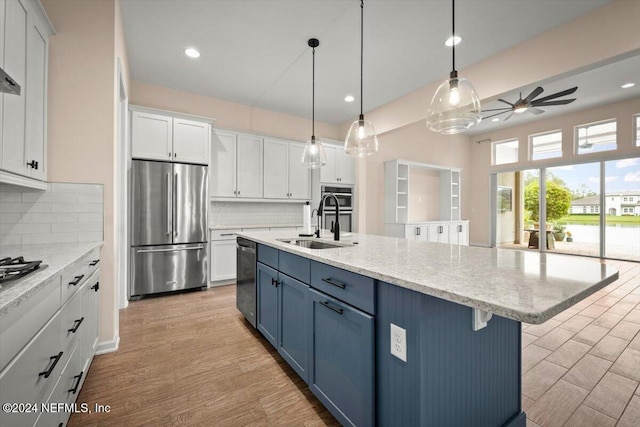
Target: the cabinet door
(299, 175)
(13, 157)
(90, 312)
(223, 164)
(328, 171)
(294, 338)
(342, 360)
(249, 172)
(433, 232)
(151, 136)
(345, 167)
(459, 233)
(223, 260)
(444, 233)
(276, 169)
(191, 141)
(267, 282)
(36, 96)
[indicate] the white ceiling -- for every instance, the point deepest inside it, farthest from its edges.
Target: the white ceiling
(255, 52)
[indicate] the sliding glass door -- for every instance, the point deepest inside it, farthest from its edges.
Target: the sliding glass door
(622, 209)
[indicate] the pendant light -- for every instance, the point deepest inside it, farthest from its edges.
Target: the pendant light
(361, 139)
(455, 106)
(314, 155)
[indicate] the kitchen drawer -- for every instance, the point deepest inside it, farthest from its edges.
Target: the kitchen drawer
(75, 275)
(268, 256)
(224, 234)
(31, 376)
(294, 266)
(20, 324)
(349, 287)
(73, 317)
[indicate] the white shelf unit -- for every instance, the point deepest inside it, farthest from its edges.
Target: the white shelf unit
(396, 191)
(450, 195)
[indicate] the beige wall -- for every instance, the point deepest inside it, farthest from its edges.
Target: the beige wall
(481, 153)
(229, 114)
(424, 194)
(81, 122)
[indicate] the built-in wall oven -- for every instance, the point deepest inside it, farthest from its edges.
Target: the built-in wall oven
(345, 198)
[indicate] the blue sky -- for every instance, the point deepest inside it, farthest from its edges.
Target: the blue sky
(620, 175)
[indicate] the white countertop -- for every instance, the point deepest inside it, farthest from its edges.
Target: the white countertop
(525, 286)
(245, 226)
(55, 256)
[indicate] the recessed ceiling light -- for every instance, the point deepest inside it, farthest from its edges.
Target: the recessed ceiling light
(349, 98)
(454, 40)
(191, 52)
(495, 119)
(627, 85)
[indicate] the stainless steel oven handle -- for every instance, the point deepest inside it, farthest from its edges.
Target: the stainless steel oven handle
(146, 251)
(245, 249)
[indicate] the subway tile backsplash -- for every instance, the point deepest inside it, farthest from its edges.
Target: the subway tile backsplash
(64, 213)
(248, 213)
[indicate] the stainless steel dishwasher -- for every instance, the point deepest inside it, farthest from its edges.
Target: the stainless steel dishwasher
(246, 279)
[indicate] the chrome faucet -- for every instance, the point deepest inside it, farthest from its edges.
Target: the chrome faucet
(336, 227)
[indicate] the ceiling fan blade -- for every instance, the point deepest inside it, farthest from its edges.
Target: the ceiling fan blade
(557, 95)
(535, 110)
(508, 117)
(506, 102)
(537, 91)
(493, 115)
(499, 109)
(548, 103)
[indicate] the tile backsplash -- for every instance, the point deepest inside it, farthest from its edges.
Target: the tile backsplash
(247, 213)
(63, 213)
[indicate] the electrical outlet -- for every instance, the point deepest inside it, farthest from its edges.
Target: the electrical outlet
(399, 342)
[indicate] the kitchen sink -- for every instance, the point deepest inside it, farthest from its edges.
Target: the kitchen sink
(314, 244)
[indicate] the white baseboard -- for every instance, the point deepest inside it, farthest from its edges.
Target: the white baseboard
(483, 245)
(222, 283)
(108, 346)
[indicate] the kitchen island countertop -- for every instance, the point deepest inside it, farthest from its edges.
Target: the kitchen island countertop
(520, 285)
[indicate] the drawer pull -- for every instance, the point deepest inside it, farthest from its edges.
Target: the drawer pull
(76, 325)
(75, 387)
(334, 282)
(94, 262)
(274, 282)
(96, 286)
(227, 234)
(48, 372)
(75, 282)
(326, 304)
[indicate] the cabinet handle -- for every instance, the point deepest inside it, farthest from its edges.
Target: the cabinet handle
(48, 372)
(33, 164)
(74, 389)
(94, 262)
(326, 304)
(76, 325)
(459, 229)
(334, 282)
(175, 155)
(440, 229)
(274, 282)
(417, 231)
(226, 234)
(238, 192)
(96, 287)
(75, 282)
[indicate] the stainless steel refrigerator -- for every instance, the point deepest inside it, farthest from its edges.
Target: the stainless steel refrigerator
(168, 227)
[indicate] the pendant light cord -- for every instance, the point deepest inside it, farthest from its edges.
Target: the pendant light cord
(361, 53)
(313, 96)
(453, 28)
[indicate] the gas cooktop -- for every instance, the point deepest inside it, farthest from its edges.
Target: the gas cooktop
(14, 268)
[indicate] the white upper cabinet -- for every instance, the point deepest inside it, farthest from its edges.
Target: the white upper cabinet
(191, 141)
(151, 136)
(285, 176)
(159, 136)
(24, 35)
(340, 167)
(236, 165)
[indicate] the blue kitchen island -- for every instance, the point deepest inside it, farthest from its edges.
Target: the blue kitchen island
(396, 332)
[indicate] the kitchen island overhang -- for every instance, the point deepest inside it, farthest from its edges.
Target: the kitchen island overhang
(453, 375)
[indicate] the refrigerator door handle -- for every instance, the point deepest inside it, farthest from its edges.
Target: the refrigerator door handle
(174, 204)
(146, 251)
(168, 203)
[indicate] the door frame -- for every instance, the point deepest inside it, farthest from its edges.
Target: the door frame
(123, 169)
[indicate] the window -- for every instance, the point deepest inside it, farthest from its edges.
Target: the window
(505, 152)
(625, 199)
(545, 145)
(636, 129)
(594, 137)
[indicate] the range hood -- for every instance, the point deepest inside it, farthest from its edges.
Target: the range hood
(7, 84)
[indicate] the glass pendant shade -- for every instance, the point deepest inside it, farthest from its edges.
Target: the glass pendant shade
(361, 139)
(314, 155)
(455, 107)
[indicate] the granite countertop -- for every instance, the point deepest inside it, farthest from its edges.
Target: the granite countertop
(243, 226)
(525, 286)
(55, 256)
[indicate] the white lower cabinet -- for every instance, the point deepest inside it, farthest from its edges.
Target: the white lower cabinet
(459, 233)
(438, 233)
(223, 259)
(453, 232)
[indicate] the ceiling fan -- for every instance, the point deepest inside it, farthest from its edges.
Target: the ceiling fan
(531, 104)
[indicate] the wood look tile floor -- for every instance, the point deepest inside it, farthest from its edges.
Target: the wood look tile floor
(191, 360)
